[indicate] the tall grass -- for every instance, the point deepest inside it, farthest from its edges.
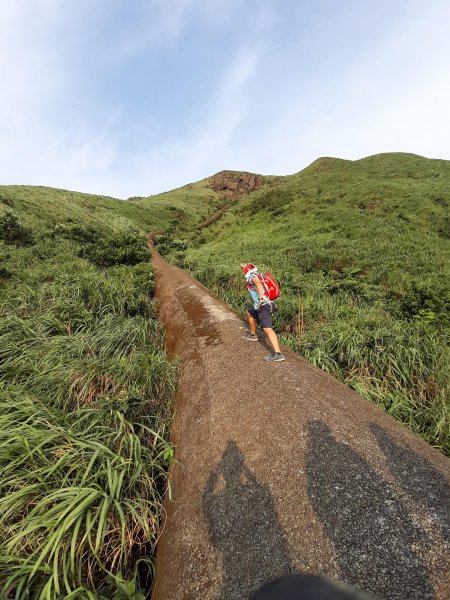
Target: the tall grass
(83, 496)
(361, 252)
(85, 409)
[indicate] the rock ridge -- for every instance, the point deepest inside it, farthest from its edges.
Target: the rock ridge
(231, 185)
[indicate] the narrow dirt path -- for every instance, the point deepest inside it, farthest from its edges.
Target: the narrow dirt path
(279, 468)
(214, 217)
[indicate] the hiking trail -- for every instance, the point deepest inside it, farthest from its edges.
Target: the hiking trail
(279, 467)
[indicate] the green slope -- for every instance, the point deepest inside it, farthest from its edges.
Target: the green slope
(361, 249)
(43, 207)
(182, 208)
(85, 395)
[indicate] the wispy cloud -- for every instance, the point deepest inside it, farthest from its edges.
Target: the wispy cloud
(390, 97)
(97, 151)
(159, 22)
(134, 99)
(209, 144)
(229, 105)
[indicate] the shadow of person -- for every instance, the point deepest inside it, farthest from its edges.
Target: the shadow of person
(374, 537)
(418, 477)
(244, 527)
(308, 587)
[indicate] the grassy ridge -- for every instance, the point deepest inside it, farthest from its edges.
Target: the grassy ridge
(86, 395)
(361, 250)
(180, 209)
(42, 207)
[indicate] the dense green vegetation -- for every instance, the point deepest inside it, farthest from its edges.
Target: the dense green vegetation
(85, 398)
(180, 209)
(362, 254)
(42, 207)
(361, 251)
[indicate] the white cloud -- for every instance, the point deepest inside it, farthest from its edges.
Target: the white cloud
(96, 152)
(178, 161)
(24, 69)
(391, 97)
(161, 22)
(266, 110)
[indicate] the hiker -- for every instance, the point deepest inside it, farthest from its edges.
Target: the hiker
(261, 311)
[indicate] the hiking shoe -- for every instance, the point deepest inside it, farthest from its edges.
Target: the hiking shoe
(275, 357)
(250, 338)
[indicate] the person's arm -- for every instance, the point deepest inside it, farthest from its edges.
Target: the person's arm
(259, 289)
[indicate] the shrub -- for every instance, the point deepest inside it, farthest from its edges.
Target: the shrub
(79, 233)
(144, 278)
(13, 232)
(173, 249)
(117, 249)
(6, 200)
(430, 303)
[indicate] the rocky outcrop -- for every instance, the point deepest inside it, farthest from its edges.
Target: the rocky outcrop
(234, 184)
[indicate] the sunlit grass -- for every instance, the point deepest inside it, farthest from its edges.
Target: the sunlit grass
(361, 252)
(83, 494)
(85, 408)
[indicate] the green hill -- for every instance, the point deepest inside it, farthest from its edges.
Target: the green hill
(361, 249)
(85, 395)
(43, 207)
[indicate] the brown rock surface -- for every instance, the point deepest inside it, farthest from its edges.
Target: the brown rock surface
(234, 184)
(281, 468)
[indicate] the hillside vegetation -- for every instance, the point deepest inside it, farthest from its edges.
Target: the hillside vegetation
(361, 249)
(361, 252)
(43, 207)
(85, 396)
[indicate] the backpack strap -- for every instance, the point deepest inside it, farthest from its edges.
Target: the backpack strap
(252, 286)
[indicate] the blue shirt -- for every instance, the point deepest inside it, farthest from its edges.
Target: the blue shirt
(254, 293)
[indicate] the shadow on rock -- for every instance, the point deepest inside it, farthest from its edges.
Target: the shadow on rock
(418, 477)
(308, 587)
(244, 527)
(373, 535)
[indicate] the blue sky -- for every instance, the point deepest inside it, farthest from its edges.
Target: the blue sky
(131, 98)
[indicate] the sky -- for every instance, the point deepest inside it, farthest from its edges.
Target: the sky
(132, 98)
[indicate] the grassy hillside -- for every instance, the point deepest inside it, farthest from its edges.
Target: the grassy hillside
(42, 207)
(361, 249)
(180, 209)
(85, 396)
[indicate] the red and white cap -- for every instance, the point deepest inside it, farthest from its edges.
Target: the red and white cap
(249, 269)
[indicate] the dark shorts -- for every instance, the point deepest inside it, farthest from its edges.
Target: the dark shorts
(263, 315)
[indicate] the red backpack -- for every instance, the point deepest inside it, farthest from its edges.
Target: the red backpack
(269, 284)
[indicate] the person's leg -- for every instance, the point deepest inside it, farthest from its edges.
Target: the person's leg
(265, 319)
(273, 339)
(251, 323)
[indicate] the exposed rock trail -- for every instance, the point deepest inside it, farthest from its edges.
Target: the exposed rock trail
(214, 217)
(279, 468)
